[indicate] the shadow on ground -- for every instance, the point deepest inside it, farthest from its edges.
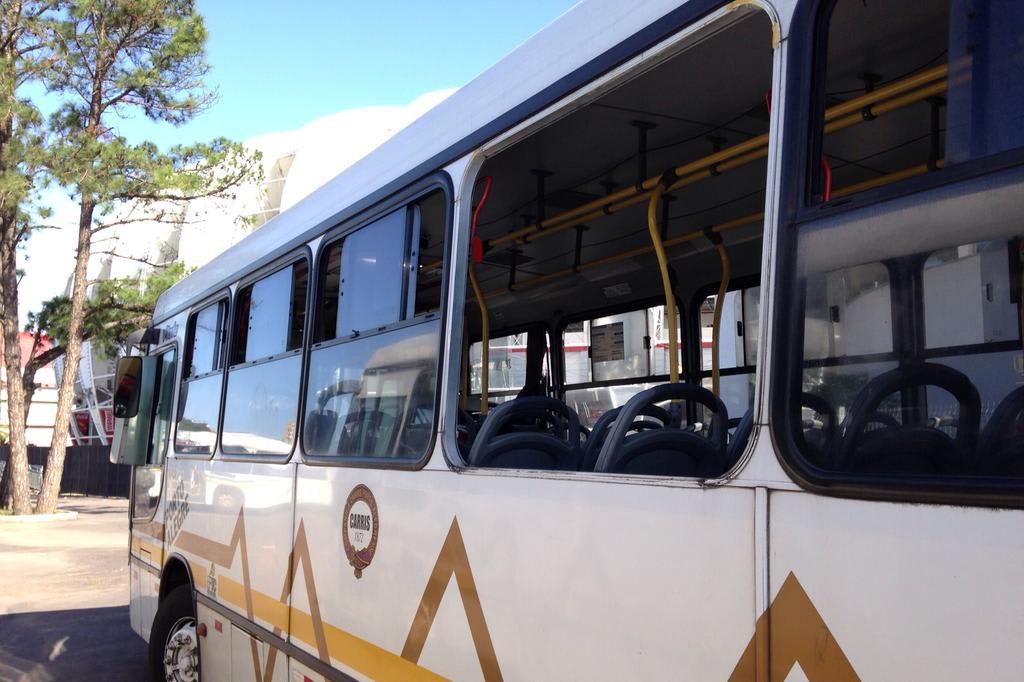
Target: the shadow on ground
(81, 644)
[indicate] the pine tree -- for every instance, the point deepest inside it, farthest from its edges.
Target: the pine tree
(25, 55)
(115, 58)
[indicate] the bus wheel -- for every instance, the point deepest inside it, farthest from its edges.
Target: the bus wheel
(173, 643)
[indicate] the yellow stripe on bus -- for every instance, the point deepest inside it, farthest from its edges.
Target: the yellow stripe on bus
(156, 552)
(359, 654)
(354, 652)
(264, 607)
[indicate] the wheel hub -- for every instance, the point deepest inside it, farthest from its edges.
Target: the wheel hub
(181, 652)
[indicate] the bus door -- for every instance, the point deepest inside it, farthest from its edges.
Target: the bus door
(144, 402)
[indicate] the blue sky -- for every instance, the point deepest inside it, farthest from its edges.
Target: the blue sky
(277, 66)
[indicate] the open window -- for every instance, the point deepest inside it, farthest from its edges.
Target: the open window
(605, 219)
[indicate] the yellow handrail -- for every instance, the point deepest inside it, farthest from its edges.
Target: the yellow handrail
(917, 88)
(883, 100)
(895, 176)
(666, 283)
(716, 323)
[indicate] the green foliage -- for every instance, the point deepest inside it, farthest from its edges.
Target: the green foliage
(133, 54)
(115, 308)
(25, 31)
(116, 57)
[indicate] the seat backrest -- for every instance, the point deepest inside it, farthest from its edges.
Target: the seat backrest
(668, 452)
(717, 432)
(599, 432)
(527, 449)
(865, 407)
(999, 441)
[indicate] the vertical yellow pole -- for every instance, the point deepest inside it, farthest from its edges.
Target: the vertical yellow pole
(666, 283)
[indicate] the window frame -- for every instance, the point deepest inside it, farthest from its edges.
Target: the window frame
(290, 258)
(437, 181)
(799, 150)
(221, 296)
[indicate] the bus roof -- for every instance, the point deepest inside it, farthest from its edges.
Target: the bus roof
(572, 50)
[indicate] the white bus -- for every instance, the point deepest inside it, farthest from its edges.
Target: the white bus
(759, 264)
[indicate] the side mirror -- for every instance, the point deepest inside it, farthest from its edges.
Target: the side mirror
(128, 387)
(134, 397)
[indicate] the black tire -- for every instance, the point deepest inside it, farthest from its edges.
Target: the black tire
(176, 607)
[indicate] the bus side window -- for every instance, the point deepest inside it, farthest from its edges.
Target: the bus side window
(163, 409)
(911, 369)
(201, 381)
(373, 366)
(427, 253)
(261, 405)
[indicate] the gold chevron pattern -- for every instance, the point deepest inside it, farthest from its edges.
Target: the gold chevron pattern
(797, 634)
(330, 641)
(795, 629)
(453, 559)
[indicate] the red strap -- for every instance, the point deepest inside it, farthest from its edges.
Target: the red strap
(826, 176)
(476, 245)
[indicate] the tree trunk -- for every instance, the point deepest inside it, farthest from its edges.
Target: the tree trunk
(5, 482)
(66, 391)
(21, 496)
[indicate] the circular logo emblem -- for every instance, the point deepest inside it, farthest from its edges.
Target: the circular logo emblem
(361, 523)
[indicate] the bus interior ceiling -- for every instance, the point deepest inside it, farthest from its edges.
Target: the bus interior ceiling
(872, 45)
(705, 99)
(710, 97)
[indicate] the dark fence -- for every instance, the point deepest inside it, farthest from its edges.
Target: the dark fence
(87, 470)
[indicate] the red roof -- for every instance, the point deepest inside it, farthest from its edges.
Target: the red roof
(45, 343)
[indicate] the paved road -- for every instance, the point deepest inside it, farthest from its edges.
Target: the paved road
(64, 596)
